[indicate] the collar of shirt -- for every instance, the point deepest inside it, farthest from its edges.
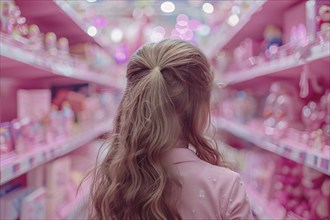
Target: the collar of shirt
(179, 155)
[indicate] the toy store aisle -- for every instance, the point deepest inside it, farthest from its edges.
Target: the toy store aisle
(63, 73)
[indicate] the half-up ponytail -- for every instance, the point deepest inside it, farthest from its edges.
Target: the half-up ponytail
(167, 97)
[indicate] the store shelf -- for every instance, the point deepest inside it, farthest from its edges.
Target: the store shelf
(76, 208)
(56, 16)
(284, 147)
(293, 63)
(262, 208)
(20, 164)
(228, 33)
(20, 63)
(251, 24)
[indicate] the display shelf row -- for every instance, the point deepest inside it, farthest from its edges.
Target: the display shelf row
(285, 148)
(59, 17)
(18, 62)
(228, 35)
(262, 208)
(280, 67)
(74, 16)
(23, 163)
(76, 208)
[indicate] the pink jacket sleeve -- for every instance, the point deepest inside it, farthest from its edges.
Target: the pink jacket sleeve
(238, 206)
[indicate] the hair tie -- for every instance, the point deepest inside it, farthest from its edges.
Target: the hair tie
(157, 68)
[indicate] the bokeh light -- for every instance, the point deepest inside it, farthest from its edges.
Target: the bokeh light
(167, 7)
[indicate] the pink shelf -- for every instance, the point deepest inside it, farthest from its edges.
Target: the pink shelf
(20, 63)
(56, 16)
(264, 209)
(226, 35)
(290, 66)
(23, 163)
(252, 23)
(76, 208)
(284, 147)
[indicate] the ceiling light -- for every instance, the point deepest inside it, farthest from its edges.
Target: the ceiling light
(116, 35)
(91, 0)
(233, 20)
(208, 8)
(167, 7)
(91, 31)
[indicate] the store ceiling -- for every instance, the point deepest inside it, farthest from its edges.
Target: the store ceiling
(130, 23)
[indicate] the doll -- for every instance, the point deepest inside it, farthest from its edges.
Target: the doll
(35, 38)
(281, 109)
(323, 18)
(51, 43)
(63, 46)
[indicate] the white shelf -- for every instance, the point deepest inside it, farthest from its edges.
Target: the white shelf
(278, 67)
(23, 163)
(29, 64)
(285, 148)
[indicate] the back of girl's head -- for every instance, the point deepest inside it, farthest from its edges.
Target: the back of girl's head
(177, 75)
(166, 102)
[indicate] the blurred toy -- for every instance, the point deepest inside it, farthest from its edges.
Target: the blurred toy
(51, 43)
(323, 17)
(8, 16)
(317, 189)
(96, 58)
(245, 53)
(63, 46)
(68, 116)
(56, 126)
(272, 36)
(298, 36)
(312, 116)
(325, 107)
(22, 134)
(35, 38)
(6, 141)
(282, 108)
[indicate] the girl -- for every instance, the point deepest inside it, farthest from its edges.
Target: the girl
(149, 172)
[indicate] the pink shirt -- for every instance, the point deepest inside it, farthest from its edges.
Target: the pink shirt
(208, 191)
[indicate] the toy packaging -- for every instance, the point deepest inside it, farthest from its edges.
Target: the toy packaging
(6, 140)
(34, 205)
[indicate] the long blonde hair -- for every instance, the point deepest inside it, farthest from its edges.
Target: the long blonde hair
(167, 99)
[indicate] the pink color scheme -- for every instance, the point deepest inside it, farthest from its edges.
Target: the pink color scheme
(63, 24)
(291, 147)
(10, 204)
(6, 140)
(36, 177)
(253, 25)
(282, 109)
(214, 193)
(34, 205)
(263, 208)
(33, 103)
(57, 177)
(288, 67)
(20, 63)
(293, 18)
(20, 164)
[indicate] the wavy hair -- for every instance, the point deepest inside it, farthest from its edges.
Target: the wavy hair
(166, 102)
